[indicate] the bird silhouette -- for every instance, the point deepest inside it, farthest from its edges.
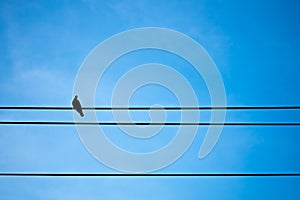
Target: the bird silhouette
(77, 106)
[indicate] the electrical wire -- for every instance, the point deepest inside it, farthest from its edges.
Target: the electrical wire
(151, 174)
(151, 123)
(12, 174)
(153, 108)
(146, 123)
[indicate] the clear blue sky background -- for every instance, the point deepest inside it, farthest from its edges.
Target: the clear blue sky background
(255, 45)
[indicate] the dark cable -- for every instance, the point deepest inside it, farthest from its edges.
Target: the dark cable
(150, 175)
(153, 108)
(147, 123)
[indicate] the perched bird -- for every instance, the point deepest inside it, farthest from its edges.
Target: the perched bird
(77, 106)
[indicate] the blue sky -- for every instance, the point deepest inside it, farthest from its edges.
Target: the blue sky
(255, 45)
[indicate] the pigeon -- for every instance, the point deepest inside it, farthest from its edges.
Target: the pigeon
(77, 106)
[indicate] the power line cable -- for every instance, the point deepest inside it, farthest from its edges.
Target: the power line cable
(9, 174)
(150, 174)
(153, 108)
(147, 123)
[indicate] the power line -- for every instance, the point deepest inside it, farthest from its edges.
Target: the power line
(147, 123)
(150, 175)
(153, 108)
(9, 174)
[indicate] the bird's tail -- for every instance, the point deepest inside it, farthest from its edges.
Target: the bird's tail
(81, 114)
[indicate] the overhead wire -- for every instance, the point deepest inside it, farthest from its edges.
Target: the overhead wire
(150, 123)
(151, 174)
(154, 108)
(53, 108)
